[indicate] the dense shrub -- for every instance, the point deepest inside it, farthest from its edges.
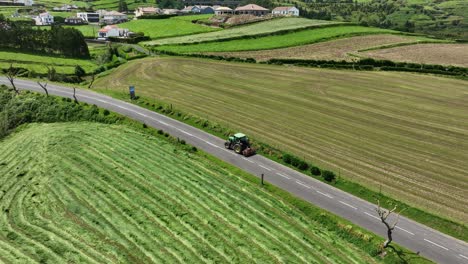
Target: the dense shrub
(329, 176)
(315, 171)
(287, 158)
(303, 165)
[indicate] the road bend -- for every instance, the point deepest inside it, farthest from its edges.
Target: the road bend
(421, 239)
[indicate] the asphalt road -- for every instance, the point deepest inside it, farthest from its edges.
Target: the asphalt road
(419, 238)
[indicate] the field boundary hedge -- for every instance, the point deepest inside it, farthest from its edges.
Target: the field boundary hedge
(444, 225)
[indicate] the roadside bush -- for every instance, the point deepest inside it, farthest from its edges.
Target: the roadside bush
(315, 171)
(303, 165)
(287, 158)
(329, 176)
(106, 112)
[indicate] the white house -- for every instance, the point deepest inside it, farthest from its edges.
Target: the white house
(25, 2)
(89, 17)
(170, 11)
(112, 31)
(44, 19)
(223, 10)
(146, 11)
(285, 11)
(114, 17)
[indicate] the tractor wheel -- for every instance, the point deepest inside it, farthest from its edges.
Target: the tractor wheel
(227, 145)
(237, 148)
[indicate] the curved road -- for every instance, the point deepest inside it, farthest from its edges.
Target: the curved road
(419, 238)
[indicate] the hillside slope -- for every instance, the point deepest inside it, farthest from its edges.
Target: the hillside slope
(87, 192)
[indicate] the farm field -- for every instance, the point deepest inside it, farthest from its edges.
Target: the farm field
(39, 63)
(445, 54)
(340, 49)
(277, 41)
(94, 193)
(258, 28)
(161, 28)
(405, 133)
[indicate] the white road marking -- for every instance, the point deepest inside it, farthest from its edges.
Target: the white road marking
(303, 184)
(373, 216)
(355, 208)
(435, 244)
(402, 229)
(282, 175)
(266, 168)
(247, 160)
(141, 114)
(185, 132)
(325, 194)
(465, 257)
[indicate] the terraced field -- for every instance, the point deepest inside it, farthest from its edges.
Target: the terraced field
(259, 28)
(445, 54)
(276, 41)
(39, 63)
(340, 49)
(405, 133)
(93, 193)
(174, 26)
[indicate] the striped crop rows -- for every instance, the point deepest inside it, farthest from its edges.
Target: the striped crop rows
(99, 194)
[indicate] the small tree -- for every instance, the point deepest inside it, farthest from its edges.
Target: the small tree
(11, 76)
(79, 71)
(315, 171)
(384, 214)
(329, 176)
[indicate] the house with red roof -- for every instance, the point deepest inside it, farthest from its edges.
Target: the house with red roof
(251, 9)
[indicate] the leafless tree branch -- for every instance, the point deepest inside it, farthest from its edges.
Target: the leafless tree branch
(44, 86)
(11, 76)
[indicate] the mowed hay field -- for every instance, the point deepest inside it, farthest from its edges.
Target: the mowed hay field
(445, 54)
(340, 49)
(93, 193)
(407, 133)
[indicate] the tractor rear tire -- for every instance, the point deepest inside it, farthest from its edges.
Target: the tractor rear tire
(237, 148)
(227, 145)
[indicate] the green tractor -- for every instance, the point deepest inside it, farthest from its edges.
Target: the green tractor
(240, 144)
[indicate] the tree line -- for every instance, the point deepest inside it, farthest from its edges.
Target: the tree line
(68, 42)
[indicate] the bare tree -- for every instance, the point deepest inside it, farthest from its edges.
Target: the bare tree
(74, 95)
(11, 76)
(92, 81)
(44, 86)
(384, 214)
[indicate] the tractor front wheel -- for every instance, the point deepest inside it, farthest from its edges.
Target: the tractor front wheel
(227, 145)
(237, 148)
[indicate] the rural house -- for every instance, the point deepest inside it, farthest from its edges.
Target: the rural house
(147, 11)
(112, 31)
(251, 9)
(89, 17)
(198, 9)
(223, 10)
(44, 19)
(170, 11)
(74, 21)
(114, 17)
(285, 11)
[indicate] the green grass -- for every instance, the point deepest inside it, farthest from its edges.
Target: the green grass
(259, 28)
(108, 193)
(39, 63)
(161, 28)
(380, 129)
(276, 41)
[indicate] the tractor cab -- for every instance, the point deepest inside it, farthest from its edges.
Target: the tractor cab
(240, 144)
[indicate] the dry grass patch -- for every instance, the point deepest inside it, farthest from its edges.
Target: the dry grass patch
(445, 54)
(339, 49)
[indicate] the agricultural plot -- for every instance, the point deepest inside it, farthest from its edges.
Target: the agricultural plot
(259, 28)
(161, 28)
(39, 63)
(445, 54)
(93, 193)
(340, 49)
(277, 41)
(405, 133)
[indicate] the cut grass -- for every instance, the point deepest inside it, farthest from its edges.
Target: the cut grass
(339, 49)
(39, 63)
(445, 54)
(107, 193)
(391, 136)
(276, 41)
(161, 28)
(259, 28)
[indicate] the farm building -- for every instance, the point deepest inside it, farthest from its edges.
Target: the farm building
(170, 11)
(285, 11)
(198, 9)
(251, 9)
(44, 19)
(114, 17)
(74, 21)
(223, 10)
(89, 17)
(147, 11)
(112, 31)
